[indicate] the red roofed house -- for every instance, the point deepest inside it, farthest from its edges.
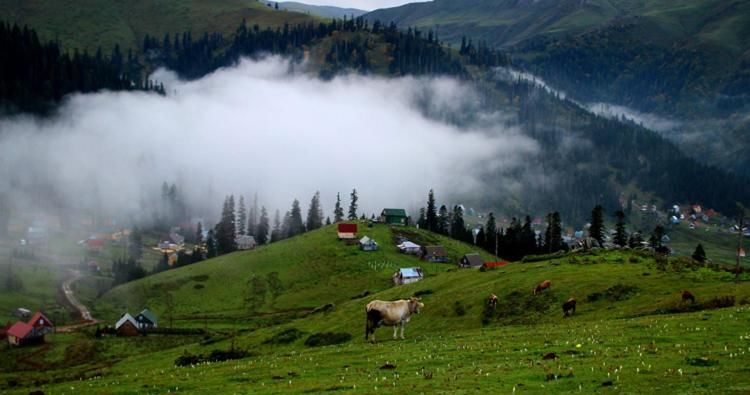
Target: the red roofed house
(22, 333)
(347, 231)
(94, 245)
(42, 325)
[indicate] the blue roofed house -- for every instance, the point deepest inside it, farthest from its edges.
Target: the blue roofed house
(146, 319)
(408, 275)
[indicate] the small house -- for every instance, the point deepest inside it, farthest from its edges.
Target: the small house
(393, 216)
(407, 247)
(665, 239)
(21, 334)
(22, 312)
(367, 244)
(176, 237)
(471, 260)
(245, 242)
(94, 245)
(435, 254)
(146, 319)
(408, 275)
(347, 231)
(126, 326)
(41, 324)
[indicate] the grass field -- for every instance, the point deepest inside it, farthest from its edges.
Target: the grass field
(37, 289)
(631, 332)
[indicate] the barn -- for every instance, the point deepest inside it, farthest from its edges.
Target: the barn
(393, 216)
(471, 260)
(435, 254)
(126, 326)
(41, 324)
(347, 231)
(408, 275)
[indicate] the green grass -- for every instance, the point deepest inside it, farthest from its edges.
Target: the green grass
(39, 290)
(89, 24)
(625, 340)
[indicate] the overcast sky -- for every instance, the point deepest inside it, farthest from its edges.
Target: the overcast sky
(361, 4)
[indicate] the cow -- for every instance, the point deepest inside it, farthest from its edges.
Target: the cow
(542, 286)
(569, 307)
(687, 295)
(393, 313)
(492, 301)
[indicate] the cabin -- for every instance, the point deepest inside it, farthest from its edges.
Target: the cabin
(146, 320)
(245, 242)
(22, 334)
(368, 244)
(126, 326)
(94, 245)
(436, 254)
(471, 260)
(41, 324)
(347, 231)
(408, 275)
(393, 216)
(407, 247)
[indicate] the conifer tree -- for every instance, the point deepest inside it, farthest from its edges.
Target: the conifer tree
(199, 234)
(296, 226)
(635, 240)
(252, 217)
(422, 220)
(490, 234)
(596, 231)
(225, 230)
(431, 221)
(656, 236)
(241, 217)
(261, 231)
(212, 250)
(314, 213)
(699, 254)
(276, 234)
(338, 211)
(328, 221)
(621, 237)
(444, 221)
(353, 205)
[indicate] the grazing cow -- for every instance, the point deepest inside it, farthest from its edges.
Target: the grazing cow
(542, 286)
(394, 313)
(569, 307)
(492, 301)
(687, 295)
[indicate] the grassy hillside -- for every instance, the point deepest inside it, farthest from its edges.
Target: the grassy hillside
(630, 332)
(321, 11)
(312, 270)
(89, 24)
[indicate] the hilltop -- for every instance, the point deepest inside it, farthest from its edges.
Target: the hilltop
(90, 24)
(631, 330)
(322, 11)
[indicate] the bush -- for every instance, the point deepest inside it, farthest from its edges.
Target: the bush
(423, 292)
(615, 293)
(285, 337)
(459, 308)
(327, 339)
(520, 307)
(187, 359)
(198, 286)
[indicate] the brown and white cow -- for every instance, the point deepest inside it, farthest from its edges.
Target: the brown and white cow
(393, 313)
(542, 286)
(569, 307)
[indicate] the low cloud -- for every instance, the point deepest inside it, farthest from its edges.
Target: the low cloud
(262, 127)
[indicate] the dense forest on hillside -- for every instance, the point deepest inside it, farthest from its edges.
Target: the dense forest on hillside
(35, 75)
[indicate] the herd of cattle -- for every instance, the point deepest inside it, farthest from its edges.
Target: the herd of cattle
(398, 313)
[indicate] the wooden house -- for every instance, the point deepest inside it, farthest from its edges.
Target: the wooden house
(471, 260)
(435, 254)
(21, 334)
(245, 242)
(126, 326)
(368, 244)
(41, 324)
(393, 216)
(347, 231)
(146, 320)
(408, 275)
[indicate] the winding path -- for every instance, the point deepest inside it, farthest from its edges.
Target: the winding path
(85, 313)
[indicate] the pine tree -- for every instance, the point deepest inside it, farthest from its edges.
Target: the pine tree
(528, 238)
(134, 244)
(635, 240)
(458, 226)
(241, 217)
(596, 231)
(328, 221)
(199, 234)
(699, 254)
(212, 250)
(621, 237)
(444, 221)
(261, 232)
(314, 213)
(656, 236)
(296, 226)
(422, 220)
(431, 221)
(555, 241)
(276, 234)
(338, 211)
(225, 230)
(252, 218)
(490, 234)
(353, 205)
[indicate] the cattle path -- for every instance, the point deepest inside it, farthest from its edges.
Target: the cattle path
(83, 311)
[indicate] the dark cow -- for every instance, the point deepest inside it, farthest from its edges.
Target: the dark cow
(394, 313)
(492, 301)
(542, 286)
(569, 307)
(687, 295)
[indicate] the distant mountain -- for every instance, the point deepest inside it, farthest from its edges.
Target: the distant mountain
(687, 61)
(321, 10)
(89, 24)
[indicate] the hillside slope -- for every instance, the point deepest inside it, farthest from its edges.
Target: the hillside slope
(89, 24)
(322, 11)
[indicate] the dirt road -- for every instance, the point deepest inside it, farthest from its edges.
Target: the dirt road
(83, 311)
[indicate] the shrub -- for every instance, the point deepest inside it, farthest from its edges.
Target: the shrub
(459, 308)
(285, 337)
(215, 356)
(198, 286)
(423, 292)
(614, 293)
(327, 338)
